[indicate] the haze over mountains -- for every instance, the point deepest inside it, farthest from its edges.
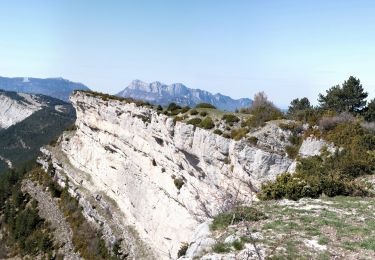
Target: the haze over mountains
(159, 93)
(55, 87)
(155, 92)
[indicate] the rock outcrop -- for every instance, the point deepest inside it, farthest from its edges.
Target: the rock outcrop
(15, 107)
(149, 180)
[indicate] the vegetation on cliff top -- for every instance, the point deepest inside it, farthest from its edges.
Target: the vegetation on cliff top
(325, 228)
(340, 121)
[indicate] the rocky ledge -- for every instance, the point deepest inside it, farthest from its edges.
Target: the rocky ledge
(151, 182)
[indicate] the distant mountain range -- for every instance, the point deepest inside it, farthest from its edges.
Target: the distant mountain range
(55, 87)
(159, 93)
(27, 122)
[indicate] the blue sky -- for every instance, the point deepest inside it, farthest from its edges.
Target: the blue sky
(286, 48)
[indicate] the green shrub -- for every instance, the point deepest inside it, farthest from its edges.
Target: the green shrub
(329, 174)
(178, 119)
(253, 140)
(309, 115)
(193, 112)
(230, 118)
(159, 108)
(238, 134)
(194, 121)
(226, 160)
(287, 186)
(221, 247)
(292, 151)
(218, 132)
(205, 105)
(293, 127)
(207, 123)
(295, 140)
(182, 251)
(262, 114)
(184, 109)
(238, 244)
(370, 111)
(203, 113)
(239, 214)
(54, 189)
(226, 135)
(178, 183)
(173, 106)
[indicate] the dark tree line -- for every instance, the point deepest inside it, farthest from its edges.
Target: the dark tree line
(350, 97)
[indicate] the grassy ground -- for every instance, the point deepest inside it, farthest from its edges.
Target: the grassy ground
(327, 228)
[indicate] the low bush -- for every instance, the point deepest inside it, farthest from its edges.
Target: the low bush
(238, 134)
(182, 251)
(239, 214)
(329, 174)
(253, 140)
(221, 247)
(369, 126)
(173, 106)
(294, 127)
(205, 105)
(295, 140)
(184, 109)
(262, 114)
(178, 119)
(238, 244)
(292, 151)
(369, 114)
(203, 113)
(308, 115)
(178, 183)
(225, 135)
(327, 123)
(193, 112)
(218, 132)
(230, 118)
(194, 121)
(207, 123)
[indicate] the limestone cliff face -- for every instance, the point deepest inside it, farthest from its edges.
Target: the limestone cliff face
(155, 177)
(15, 107)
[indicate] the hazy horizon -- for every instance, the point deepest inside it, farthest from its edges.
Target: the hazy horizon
(290, 49)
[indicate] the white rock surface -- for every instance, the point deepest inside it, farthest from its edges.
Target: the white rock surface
(132, 155)
(13, 111)
(312, 146)
(200, 243)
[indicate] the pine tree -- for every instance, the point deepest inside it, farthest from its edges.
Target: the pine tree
(349, 98)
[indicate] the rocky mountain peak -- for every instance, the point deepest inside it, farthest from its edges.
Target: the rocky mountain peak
(163, 94)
